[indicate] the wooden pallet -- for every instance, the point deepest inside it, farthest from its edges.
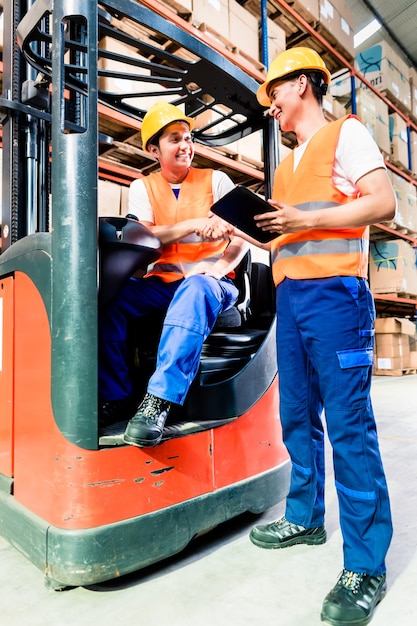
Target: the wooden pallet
(178, 8)
(255, 62)
(398, 164)
(397, 294)
(397, 372)
(277, 13)
(399, 228)
(396, 101)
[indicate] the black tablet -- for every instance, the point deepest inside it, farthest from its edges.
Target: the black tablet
(239, 206)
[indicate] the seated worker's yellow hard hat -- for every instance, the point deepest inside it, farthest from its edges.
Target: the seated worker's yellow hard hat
(289, 61)
(161, 114)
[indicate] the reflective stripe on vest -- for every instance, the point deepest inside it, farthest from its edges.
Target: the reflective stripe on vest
(325, 246)
(316, 253)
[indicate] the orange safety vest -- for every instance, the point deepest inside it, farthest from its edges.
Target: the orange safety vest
(195, 200)
(316, 253)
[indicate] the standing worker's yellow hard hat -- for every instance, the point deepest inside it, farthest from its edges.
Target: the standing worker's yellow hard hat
(160, 115)
(289, 61)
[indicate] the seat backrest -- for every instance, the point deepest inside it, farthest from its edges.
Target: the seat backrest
(263, 303)
(125, 246)
(240, 312)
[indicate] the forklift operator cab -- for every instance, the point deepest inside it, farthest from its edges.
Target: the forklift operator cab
(126, 247)
(81, 505)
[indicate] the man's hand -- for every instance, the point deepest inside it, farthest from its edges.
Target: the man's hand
(214, 228)
(283, 219)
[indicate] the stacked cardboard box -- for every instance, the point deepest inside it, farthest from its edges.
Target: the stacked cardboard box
(108, 198)
(123, 81)
(406, 214)
(230, 23)
(214, 14)
(392, 345)
(386, 71)
(181, 7)
(369, 107)
(333, 109)
(399, 140)
(277, 39)
(413, 351)
(243, 30)
(413, 91)
(336, 21)
(392, 267)
(413, 149)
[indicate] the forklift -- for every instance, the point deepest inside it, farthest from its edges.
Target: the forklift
(81, 505)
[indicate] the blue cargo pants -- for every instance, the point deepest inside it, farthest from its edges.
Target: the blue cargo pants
(191, 305)
(325, 342)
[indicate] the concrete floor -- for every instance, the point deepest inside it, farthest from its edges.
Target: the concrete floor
(222, 579)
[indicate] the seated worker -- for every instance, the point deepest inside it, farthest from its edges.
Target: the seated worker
(189, 283)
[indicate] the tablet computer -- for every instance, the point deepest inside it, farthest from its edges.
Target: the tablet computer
(239, 206)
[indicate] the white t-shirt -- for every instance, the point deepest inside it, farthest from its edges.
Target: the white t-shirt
(140, 205)
(357, 154)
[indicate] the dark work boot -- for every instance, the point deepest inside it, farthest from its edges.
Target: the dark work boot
(282, 534)
(146, 427)
(353, 599)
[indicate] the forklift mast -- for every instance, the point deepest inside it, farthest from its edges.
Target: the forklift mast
(49, 106)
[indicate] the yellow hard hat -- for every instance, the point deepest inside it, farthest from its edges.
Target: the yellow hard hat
(161, 114)
(289, 61)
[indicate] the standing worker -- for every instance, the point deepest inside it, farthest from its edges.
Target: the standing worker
(325, 194)
(188, 283)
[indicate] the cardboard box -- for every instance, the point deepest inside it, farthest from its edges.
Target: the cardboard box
(181, 7)
(108, 198)
(341, 86)
(411, 192)
(243, 30)
(277, 40)
(366, 109)
(406, 216)
(373, 112)
(337, 19)
(392, 267)
(385, 69)
(399, 139)
(386, 363)
(250, 149)
(413, 360)
(309, 10)
(392, 345)
(394, 325)
(413, 91)
(382, 136)
(122, 82)
(402, 216)
(214, 14)
(332, 108)
(124, 200)
(413, 147)
(217, 117)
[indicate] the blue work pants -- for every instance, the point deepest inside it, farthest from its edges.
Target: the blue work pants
(325, 352)
(191, 306)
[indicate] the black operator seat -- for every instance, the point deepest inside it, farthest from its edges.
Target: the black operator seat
(125, 247)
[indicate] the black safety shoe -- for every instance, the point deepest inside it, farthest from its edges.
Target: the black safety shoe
(114, 411)
(282, 534)
(146, 427)
(353, 599)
